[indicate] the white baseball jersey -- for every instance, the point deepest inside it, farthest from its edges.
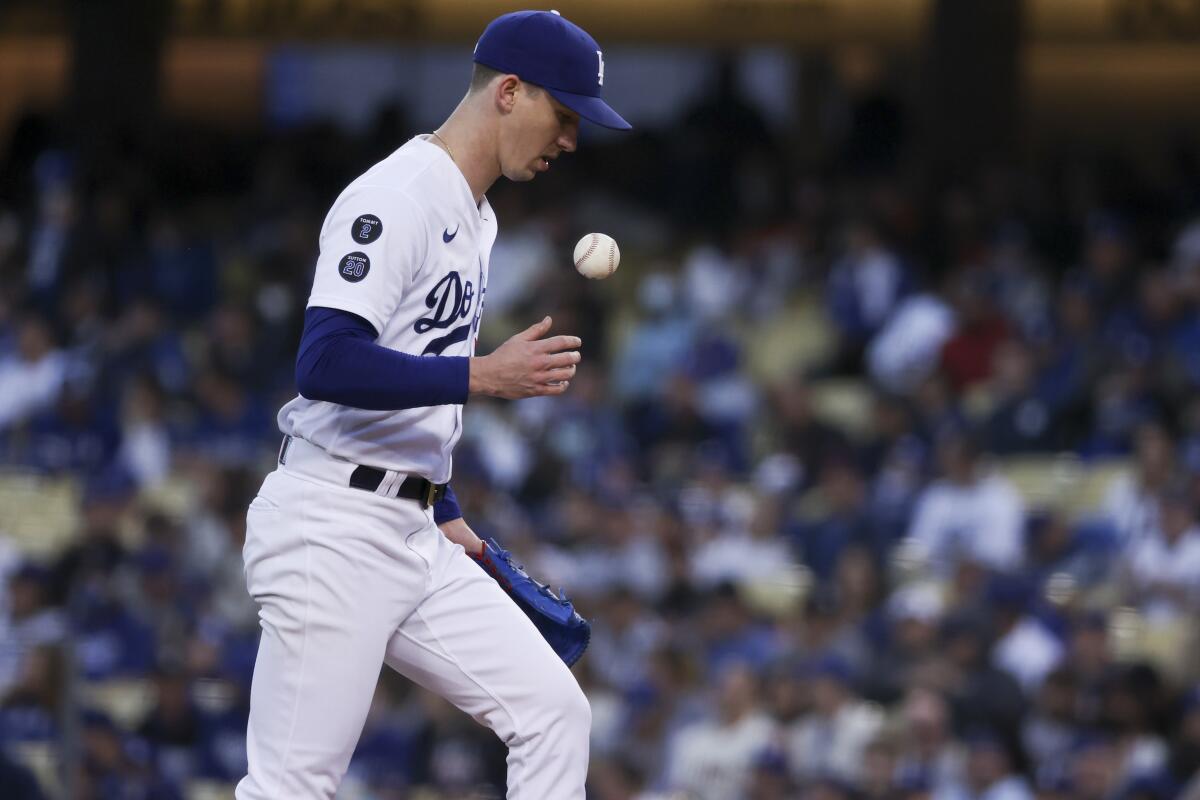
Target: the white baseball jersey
(406, 248)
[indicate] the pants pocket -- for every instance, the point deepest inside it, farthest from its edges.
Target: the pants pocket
(266, 535)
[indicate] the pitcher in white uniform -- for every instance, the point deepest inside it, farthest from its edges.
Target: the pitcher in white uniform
(343, 549)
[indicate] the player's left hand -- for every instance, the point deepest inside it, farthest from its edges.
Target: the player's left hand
(526, 365)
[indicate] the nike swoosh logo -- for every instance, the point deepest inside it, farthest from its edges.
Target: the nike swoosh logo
(447, 236)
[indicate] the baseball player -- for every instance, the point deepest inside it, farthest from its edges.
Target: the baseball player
(343, 549)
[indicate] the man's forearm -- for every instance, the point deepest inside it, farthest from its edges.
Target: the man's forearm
(457, 531)
(340, 362)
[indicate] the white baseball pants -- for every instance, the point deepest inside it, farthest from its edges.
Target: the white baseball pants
(348, 580)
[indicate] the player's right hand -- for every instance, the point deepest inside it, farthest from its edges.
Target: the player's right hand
(527, 365)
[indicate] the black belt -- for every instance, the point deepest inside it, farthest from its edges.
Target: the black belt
(413, 487)
(368, 479)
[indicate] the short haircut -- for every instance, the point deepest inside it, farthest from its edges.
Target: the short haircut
(482, 75)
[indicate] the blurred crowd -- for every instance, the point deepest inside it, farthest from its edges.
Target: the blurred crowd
(792, 597)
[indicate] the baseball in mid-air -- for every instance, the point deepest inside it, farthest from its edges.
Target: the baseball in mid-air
(597, 256)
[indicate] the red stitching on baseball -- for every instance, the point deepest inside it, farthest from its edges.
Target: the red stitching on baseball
(591, 249)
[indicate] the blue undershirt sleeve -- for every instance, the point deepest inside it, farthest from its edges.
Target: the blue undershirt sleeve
(340, 362)
(447, 508)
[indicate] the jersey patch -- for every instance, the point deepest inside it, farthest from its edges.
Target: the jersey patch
(366, 229)
(354, 266)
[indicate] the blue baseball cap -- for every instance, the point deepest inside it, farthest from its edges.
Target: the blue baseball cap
(545, 49)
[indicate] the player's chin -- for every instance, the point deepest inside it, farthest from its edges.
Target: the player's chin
(523, 174)
(536, 167)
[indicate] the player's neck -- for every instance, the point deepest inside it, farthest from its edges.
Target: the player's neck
(471, 148)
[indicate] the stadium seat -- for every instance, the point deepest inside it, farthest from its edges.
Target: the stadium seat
(40, 758)
(789, 341)
(125, 700)
(208, 790)
(1061, 482)
(779, 595)
(1169, 645)
(40, 515)
(1044, 481)
(175, 497)
(844, 403)
(1097, 482)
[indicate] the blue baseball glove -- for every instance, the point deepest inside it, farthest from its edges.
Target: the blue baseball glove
(553, 615)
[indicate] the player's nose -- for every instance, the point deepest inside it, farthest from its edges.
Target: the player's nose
(568, 138)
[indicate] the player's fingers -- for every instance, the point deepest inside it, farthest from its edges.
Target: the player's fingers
(546, 389)
(557, 374)
(555, 360)
(535, 331)
(557, 343)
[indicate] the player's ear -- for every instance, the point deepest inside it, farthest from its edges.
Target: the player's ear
(506, 93)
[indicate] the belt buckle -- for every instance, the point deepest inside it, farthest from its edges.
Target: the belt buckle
(430, 493)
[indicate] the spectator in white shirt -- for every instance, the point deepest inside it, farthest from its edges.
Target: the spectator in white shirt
(1131, 503)
(989, 774)
(1163, 566)
(1025, 648)
(32, 376)
(969, 514)
(831, 739)
(30, 622)
(930, 755)
(145, 441)
(906, 349)
(712, 759)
